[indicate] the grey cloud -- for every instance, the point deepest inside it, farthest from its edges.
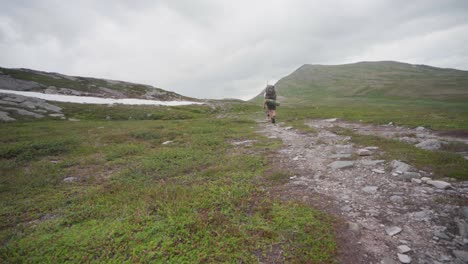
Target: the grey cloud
(216, 49)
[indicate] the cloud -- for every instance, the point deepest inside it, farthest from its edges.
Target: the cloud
(225, 49)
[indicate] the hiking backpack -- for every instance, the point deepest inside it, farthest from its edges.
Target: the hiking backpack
(270, 92)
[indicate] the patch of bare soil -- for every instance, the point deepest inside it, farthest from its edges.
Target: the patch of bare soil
(453, 133)
(386, 215)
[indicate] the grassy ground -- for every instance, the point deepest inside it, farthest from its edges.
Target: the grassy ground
(442, 163)
(197, 199)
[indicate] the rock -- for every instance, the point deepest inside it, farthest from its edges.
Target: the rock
(112, 93)
(425, 179)
(461, 255)
(9, 83)
(340, 156)
(4, 116)
(3, 102)
(167, 142)
(403, 249)
(70, 179)
(420, 128)
(24, 112)
(442, 235)
(49, 107)
(421, 136)
(420, 215)
(404, 258)
(371, 162)
(440, 184)
(331, 120)
(344, 149)
(392, 230)
(108, 118)
(354, 227)
(73, 119)
(396, 199)
(388, 260)
(465, 212)
(56, 115)
(372, 148)
(346, 208)
(400, 166)
(28, 104)
(363, 152)
(51, 90)
(248, 142)
(408, 176)
(417, 181)
(370, 189)
(378, 171)
(341, 165)
(409, 140)
(430, 144)
(288, 128)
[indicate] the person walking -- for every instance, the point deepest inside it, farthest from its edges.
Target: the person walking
(270, 103)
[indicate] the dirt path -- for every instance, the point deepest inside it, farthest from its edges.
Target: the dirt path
(386, 211)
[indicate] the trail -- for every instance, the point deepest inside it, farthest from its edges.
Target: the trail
(385, 213)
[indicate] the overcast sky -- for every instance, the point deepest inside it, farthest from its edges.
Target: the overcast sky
(226, 49)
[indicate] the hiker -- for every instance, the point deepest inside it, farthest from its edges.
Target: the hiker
(270, 103)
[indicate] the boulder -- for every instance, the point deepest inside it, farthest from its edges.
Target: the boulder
(392, 230)
(430, 144)
(9, 83)
(403, 249)
(70, 179)
(400, 166)
(336, 165)
(425, 179)
(409, 140)
(363, 152)
(3, 102)
(5, 117)
(49, 107)
(408, 176)
(24, 112)
(461, 255)
(388, 260)
(404, 258)
(340, 156)
(440, 184)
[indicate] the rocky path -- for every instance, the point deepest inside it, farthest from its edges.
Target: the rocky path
(395, 213)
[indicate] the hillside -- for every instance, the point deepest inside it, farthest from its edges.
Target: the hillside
(56, 83)
(383, 79)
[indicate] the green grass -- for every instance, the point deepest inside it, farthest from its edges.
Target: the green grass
(374, 80)
(198, 199)
(442, 163)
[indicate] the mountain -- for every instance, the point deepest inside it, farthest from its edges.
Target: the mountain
(56, 83)
(381, 79)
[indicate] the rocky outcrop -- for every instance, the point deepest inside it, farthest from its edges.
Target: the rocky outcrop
(16, 106)
(9, 83)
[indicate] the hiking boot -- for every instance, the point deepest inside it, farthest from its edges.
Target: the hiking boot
(273, 120)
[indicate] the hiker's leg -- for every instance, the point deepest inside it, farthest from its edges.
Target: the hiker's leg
(273, 116)
(273, 113)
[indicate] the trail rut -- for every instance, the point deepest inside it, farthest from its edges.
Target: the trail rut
(371, 200)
